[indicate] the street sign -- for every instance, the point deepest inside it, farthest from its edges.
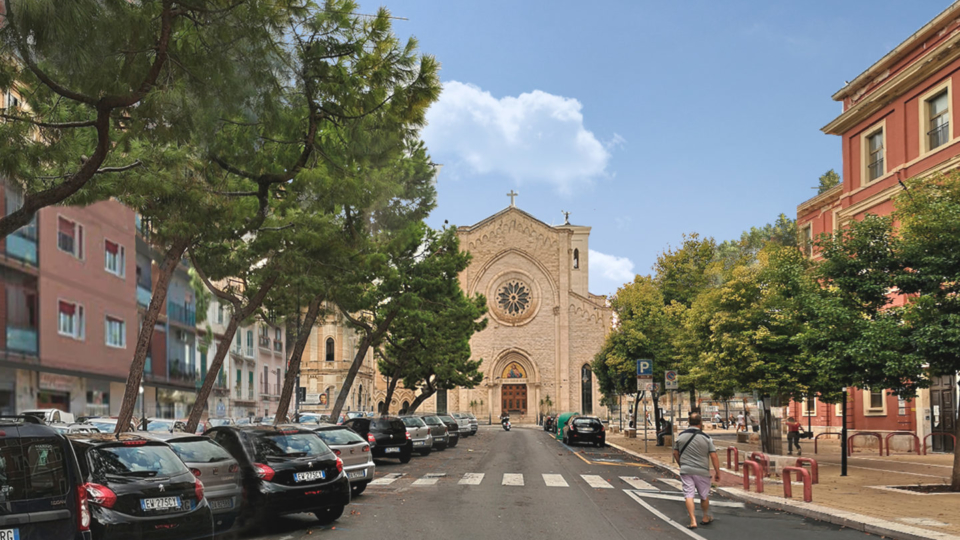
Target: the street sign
(651, 387)
(645, 368)
(670, 380)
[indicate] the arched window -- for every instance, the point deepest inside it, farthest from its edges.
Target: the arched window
(380, 408)
(586, 389)
(406, 405)
(576, 259)
(330, 347)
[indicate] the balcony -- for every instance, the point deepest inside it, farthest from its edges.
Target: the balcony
(277, 345)
(181, 372)
(250, 394)
(238, 391)
(249, 352)
(183, 314)
(21, 339)
(265, 342)
(22, 248)
(143, 295)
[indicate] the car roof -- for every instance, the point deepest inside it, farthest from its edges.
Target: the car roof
(95, 439)
(172, 437)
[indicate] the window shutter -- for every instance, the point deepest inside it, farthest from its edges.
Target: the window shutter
(67, 308)
(112, 248)
(65, 226)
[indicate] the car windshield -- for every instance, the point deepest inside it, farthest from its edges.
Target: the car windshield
(199, 451)
(281, 445)
(31, 470)
(339, 436)
(432, 421)
(388, 424)
(104, 426)
(412, 422)
(146, 460)
(160, 425)
(217, 422)
(447, 419)
(585, 422)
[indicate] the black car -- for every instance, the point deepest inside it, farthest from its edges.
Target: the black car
(139, 488)
(285, 470)
(453, 429)
(387, 436)
(585, 429)
(41, 488)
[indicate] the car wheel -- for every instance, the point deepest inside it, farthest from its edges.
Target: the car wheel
(425, 452)
(359, 488)
(329, 515)
(405, 458)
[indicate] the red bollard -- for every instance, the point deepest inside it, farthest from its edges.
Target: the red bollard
(807, 486)
(814, 468)
(916, 440)
(747, 465)
(761, 458)
(817, 438)
(864, 433)
(736, 458)
(942, 434)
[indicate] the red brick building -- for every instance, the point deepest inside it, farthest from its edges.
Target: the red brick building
(896, 123)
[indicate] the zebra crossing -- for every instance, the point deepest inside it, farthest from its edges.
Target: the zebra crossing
(552, 480)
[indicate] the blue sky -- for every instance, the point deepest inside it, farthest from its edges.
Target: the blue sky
(645, 120)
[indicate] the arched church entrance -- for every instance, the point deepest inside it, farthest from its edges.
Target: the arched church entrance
(518, 386)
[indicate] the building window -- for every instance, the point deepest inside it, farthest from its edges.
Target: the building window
(576, 259)
(938, 120)
(875, 155)
(441, 401)
(70, 321)
(330, 347)
(876, 399)
(116, 331)
(249, 340)
(219, 313)
(114, 258)
(806, 240)
(70, 237)
(809, 406)
(586, 389)
(874, 403)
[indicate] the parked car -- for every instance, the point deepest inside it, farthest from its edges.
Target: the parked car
(215, 467)
(40, 476)
(160, 425)
(310, 418)
(463, 421)
(285, 470)
(420, 434)
(354, 451)
(453, 429)
(108, 425)
(585, 429)
(74, 428)
(138, 488)
(438, 429)
(474, 424)
(50, 416)
(387, 435)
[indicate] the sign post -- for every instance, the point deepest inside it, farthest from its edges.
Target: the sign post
(644, 373)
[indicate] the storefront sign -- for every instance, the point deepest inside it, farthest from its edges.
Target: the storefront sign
(58, 383)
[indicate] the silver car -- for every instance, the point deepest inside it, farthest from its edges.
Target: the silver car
(215, 467)
(420, 434)
(464, 422)
(354, 451)
(438, 429)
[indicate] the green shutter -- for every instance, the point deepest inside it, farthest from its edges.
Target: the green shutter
(251, 379)
(203, 364)
(239, 377)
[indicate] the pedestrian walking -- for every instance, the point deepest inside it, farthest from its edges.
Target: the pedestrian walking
(741, 425)
(694, 451)
(717, 420)
(793, 436)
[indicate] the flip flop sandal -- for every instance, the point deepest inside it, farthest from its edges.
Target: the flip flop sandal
(691, 526)
(706, 522)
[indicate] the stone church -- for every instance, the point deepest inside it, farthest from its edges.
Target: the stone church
(544, 325)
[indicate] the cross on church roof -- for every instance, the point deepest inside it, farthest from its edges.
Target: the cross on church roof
(512, 196)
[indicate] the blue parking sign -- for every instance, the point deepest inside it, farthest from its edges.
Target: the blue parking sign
(645, 368)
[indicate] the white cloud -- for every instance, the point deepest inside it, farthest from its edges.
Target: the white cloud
(535, 137)
(614, 271)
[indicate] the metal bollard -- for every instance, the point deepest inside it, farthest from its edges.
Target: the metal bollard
(807, 486)
(747, 465)
(814, 468)
(736, 458)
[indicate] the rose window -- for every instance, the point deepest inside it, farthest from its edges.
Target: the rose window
(513, 298)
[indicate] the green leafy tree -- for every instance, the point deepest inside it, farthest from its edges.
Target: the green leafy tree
(828, 181)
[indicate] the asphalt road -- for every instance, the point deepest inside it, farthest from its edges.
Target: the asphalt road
(534, 487)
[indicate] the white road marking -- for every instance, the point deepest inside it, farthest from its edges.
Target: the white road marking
(673, 482)
(555, 480)
(672, 523)
(429, 479)
(681, 498)
(595, 481)
(512, 479)
(637, 483)
(386, 480)
(471, 479)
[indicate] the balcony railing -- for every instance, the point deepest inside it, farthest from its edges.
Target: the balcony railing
(22, 339)
(250, 394)
(143, 296)
(265, 342)
(183, 372)
(278, 345)
(238, 390)
(875, 169)
(184, 314)
(939, 135)
(249, 352)
(22, 248)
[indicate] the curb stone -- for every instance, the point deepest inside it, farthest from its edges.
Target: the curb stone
(849, 520)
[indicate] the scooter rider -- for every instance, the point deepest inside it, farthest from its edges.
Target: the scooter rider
(505, 420)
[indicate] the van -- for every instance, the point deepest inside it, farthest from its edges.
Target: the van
(51, 416)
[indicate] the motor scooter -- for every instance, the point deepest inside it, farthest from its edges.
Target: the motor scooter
(506, 424)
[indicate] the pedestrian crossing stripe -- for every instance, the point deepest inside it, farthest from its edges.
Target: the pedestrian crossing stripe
(512, 479)
(555, 480)
(637, 483)
(429, 480)
(386, 480)
(672, 482)
(471, 479)
(596, 481)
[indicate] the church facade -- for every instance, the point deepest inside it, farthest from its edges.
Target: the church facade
(544, 325)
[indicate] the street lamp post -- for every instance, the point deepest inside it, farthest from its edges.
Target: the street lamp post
(843, 436)
(143, 409)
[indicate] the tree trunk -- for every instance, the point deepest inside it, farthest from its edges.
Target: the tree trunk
(222, 348)
(130, 392)
(391, 387)
(365, 345)
(417, 401)
(955, 477)
(636, 409)
(293, 369)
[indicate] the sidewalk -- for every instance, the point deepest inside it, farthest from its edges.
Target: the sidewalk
(855, 500)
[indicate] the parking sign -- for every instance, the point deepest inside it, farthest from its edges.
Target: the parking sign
(645, 368)
(670, 380)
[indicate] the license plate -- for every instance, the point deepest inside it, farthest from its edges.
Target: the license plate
(10, 534)
(160, 503)
(309, 475)
(392, 450)
(357, 474)
(220, 504)
(419, 443)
